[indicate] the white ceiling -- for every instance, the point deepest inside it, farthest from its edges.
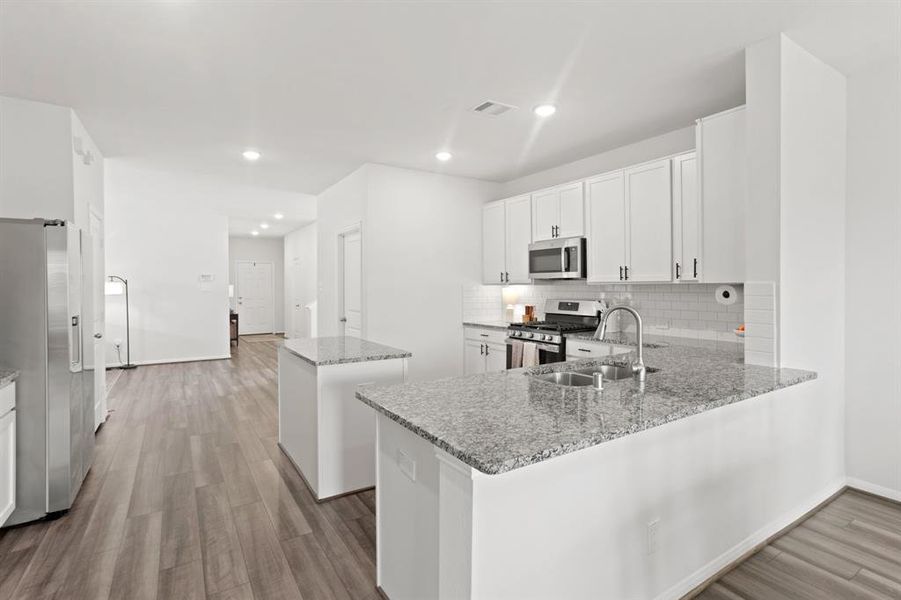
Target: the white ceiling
(320, 88)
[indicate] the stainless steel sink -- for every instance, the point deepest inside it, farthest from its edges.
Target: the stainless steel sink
(584, 377)
(566, 378)
(608, 372)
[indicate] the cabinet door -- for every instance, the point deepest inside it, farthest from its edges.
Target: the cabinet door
(495, 357)
(686, 218)
(722, 163)
(606, 216)
(493, 226)
(572, 210)
(473, 357)
(519, 236)
(545, 215)
(649, 217)
(7, 465)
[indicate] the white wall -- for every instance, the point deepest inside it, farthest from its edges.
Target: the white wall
(301, 282)
(873, 247)
(36, 179)
(269, 250)
(421, 241)
(161, 239)
(644, 150)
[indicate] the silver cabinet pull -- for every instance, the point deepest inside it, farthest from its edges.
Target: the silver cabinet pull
(677, 271)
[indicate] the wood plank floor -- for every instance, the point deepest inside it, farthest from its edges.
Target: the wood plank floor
(190, 498)
(850, 548)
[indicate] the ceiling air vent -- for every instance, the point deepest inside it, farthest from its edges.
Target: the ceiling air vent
(492, 109)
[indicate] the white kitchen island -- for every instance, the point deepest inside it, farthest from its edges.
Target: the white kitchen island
(505, 486)
(328, 435)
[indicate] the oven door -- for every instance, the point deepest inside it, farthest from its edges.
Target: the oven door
(547, 353)
(557, 259)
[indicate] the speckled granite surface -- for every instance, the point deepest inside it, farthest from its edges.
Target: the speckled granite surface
(501, 325)
(7, 376)
(735, 348)
(497, 422)
(321, 351)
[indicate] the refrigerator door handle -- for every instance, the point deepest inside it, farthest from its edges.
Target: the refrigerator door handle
(76, 340)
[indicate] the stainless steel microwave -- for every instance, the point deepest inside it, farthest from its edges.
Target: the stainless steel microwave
(558, 259)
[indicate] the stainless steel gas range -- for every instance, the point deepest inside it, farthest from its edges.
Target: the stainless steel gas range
(542, 342)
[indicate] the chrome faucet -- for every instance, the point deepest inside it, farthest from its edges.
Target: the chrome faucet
(638, 368)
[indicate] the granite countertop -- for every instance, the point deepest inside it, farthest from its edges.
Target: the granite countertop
(322, 351)
(7, 376)
(497, 422)
(487, 324)
(735, 347)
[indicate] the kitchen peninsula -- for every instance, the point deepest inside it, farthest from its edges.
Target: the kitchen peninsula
(329, 436)
(503, 485)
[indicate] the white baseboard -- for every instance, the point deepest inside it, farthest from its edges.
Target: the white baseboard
(872, 488)
(165, 361)
(688, 584)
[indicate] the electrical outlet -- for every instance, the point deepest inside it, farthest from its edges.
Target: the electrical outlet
(653, 527)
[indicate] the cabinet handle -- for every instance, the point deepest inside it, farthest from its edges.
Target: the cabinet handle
(627, 272)
(483, 334)
(696, 268)
(502, 277)
(677, 271)
(482, 349)
(620, 273)
(507, 276)
(583, 350)
(486, 349)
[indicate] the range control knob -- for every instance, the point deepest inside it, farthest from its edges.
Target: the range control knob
(547, 338)
(531, 335)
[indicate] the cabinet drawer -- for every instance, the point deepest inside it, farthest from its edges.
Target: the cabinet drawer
(497, 336)
(583, 349)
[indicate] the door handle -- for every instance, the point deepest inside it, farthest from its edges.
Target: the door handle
(343, 319)
(98, 336)
(76, 339)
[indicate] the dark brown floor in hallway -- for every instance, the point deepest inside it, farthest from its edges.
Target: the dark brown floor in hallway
(190, 497)
(850, 548)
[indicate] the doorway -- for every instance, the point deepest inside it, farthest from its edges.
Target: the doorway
(99, 318)
(255, 296)
(350, 281)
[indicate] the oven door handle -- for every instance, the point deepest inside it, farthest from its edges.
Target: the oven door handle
(547, 347)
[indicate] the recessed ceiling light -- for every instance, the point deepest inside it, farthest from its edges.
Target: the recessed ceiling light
(254, 232)
(278, 216)
(544, 110)
(264, 225)
(251, 155)
(444, 156)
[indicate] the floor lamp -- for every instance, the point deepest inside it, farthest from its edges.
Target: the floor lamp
(115, 286)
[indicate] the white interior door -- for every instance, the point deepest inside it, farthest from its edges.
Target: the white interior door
(99, 316)
(255, 297)
(352, 277)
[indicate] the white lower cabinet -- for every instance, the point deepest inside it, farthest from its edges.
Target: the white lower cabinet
(576, 349)
(485, 350)
(7, 452)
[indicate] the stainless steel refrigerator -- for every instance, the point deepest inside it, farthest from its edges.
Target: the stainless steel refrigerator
(46, 328)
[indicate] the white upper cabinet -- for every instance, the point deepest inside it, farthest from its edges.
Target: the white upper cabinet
(558, 212)
(722, 169)
(518, 238)
(506, 235)
(606, 217)
(686, 218)
(493, 242)
(649, 217)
